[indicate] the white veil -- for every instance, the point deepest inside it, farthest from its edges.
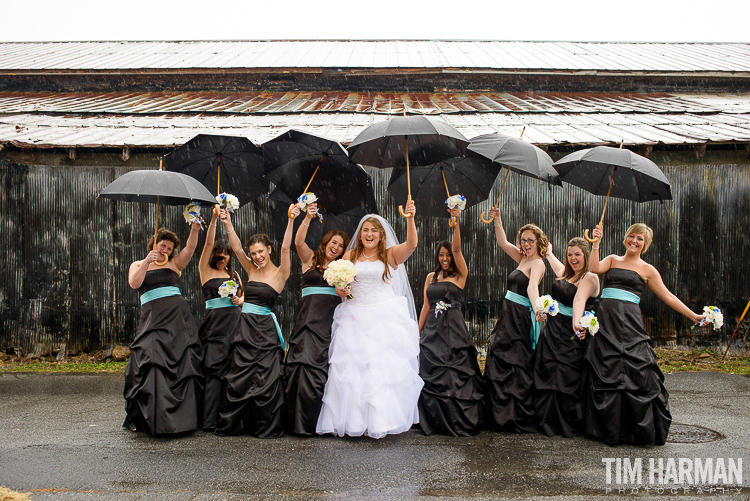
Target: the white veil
(399, 281)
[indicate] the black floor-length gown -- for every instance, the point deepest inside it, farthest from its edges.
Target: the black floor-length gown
(451, 402)
(509, 369)
(163, 379)
(558, 367)
(216, 333)
(253, 386)
(307, 357)
(623, 393)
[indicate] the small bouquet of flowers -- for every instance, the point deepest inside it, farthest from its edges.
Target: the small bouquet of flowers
(192, 214)
(306, 199)
(589, 322)
(228, 288)
(456, 201)
(547, 305)
(340, 274)
(441, 307)
(714, 316)
(228, 202)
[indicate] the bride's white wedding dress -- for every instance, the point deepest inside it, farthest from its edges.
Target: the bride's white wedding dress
(373, 375)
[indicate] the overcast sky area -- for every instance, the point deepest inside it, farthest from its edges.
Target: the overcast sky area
(582, 20)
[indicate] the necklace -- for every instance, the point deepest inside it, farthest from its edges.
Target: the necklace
(369, 257)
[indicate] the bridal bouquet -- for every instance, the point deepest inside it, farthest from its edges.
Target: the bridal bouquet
(340, 274)
(228, 288)
(714, 316)
(306, 199)
(547, 305)
(192, 214)
(456, 201)
(228, 202)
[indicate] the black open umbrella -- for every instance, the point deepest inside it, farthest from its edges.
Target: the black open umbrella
(408, 140)
(471, 177)
(296, 161)
(229, 164)
(159, 187)
(346, 221)
(616, 172)
(515, 155)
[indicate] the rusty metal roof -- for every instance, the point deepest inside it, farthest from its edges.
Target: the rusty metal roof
(363, 102)
(466, 55)
(28, 130)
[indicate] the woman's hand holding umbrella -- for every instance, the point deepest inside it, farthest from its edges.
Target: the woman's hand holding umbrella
(411, 209)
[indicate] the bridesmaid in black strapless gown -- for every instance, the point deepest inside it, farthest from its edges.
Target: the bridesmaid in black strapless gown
(451, 402)
(253, 388)
(307, 357)
(163, 379)
(559, 354)
(220, 322)
(623, 393)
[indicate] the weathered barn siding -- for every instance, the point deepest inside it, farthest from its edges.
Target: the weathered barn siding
(66, 254)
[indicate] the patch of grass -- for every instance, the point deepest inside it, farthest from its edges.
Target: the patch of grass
(704, 360)
(87, 367)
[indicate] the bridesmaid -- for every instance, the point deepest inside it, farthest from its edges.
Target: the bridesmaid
(509, 369)
(307, 358)
(221, 320)
(451, 399)
(559, 355)
(163, 379)
(623, 393)
(253, 388)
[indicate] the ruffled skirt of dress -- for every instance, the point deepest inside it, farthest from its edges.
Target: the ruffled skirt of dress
(451, 402)
(557, 378)
(216, 333)
(373, 377)
(623, 393)
(163, 378)
(509, 372)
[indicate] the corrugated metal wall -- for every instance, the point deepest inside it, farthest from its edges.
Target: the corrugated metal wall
(66, 254)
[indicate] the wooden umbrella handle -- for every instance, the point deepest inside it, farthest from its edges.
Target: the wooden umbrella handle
(601, 221)
(452, 221)
(497, 203)
(156, 229)
(408, 179)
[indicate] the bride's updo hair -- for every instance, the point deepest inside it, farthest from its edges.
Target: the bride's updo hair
(381, 251)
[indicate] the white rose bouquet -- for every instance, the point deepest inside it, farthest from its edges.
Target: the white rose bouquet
(192, 214)
(456, 201)
(228, 201)
(306, 199)
(340, 274)
(590, 322)
(228, 288)
(714, 316)
(548, 305)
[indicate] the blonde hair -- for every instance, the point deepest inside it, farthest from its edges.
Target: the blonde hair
(641, 229)
(541, 239)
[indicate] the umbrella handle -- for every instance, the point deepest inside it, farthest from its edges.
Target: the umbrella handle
(289, 211)
(451, 221)
(507, 171)
(401, 211)
(586, 236)
(156, 229)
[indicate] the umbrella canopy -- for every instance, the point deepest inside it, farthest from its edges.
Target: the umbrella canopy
(298, 162)
(223, 163)
(157, 186)
(471, 177)
(347, 221)
(515, 154)
(637, 178)
(384, 144)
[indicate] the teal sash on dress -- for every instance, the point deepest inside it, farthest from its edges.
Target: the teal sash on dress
(159, 293)
(565, 310)
(622, 295)
(262, 310)
(535, 327)
(220, 302)
(307, 291)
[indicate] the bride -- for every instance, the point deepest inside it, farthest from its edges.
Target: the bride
(373, 377)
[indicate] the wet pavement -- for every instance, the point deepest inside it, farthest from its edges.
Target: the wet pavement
(60, 439)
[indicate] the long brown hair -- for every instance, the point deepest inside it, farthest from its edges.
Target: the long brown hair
(541, 239)
(319, 256)
(382, 251)
(452, 270)
(569, 273)
(265, 241)
(224, 246)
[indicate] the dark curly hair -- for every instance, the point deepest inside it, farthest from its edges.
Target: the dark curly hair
(164, 234)
(452, 270)
(541, 239)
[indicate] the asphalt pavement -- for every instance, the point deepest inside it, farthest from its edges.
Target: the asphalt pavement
(61, 439)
